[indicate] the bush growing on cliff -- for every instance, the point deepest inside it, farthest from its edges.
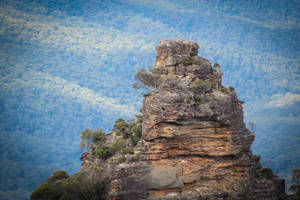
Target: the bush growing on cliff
(58, 175)
(144, 79)
(187, 61)
(104, 151)
(76, 187)
(224, 90)
(136, 134)
(217, 66)
(231, 89)
(198, 99)
(121, 128)
(98, 136)
(193, 53)
(88, 137)
(295, 187)
(201, 86)
(119, 145)
(45, 192)
(131, 132)
(107, 151)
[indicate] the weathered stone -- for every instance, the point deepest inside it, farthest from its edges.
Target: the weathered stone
(194, 142)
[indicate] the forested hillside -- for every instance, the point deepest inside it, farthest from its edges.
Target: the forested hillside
(68, 65)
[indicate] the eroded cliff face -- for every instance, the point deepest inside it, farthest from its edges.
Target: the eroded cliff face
(194, 142)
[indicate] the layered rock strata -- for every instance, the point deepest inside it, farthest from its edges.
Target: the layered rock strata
(194, 143)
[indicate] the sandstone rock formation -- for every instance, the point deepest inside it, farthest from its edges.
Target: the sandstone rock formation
(194, 142)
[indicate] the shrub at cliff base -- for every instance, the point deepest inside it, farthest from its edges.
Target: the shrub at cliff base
(76, 187)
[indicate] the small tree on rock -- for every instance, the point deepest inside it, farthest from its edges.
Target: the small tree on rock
(88, 137)
(144, 79)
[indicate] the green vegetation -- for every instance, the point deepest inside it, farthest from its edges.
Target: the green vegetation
(131, 133)
(231, 89)
(88, 137)
(224, 90)
(58, 175)
(121, 159)
(121, 128)
(156, 71)
(217, 66)
(198, 99)
(144, 79)
(76, 187)
(104, 151)
(127, 151)
(188, 101)
(201, 86)
(193, 54)
(44, 191)
(98, 136)
(187, 61)
(169, 77)
(295, 187)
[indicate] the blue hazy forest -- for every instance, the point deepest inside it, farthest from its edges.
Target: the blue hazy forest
(68, 65)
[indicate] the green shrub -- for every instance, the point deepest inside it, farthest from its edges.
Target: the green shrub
(80, 186)
(193, 53)
(198, 99)
(127, 151)
(224, 90)
(121, 159)
(121, 127)
(157, 70)
(45, 192)
(144, 79)
(188, 101)
(134, 139)
(86, 139)
(187, 61)
(104, 152)
(197, 61)
(217, 66)
(99, 137)
(76, 187)
(119, 145)
(136, 134)
(91, 136)
(137, 131)
(136, 157)
(231, 89)
(169, 77)
(201, 85)
(58, 175)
